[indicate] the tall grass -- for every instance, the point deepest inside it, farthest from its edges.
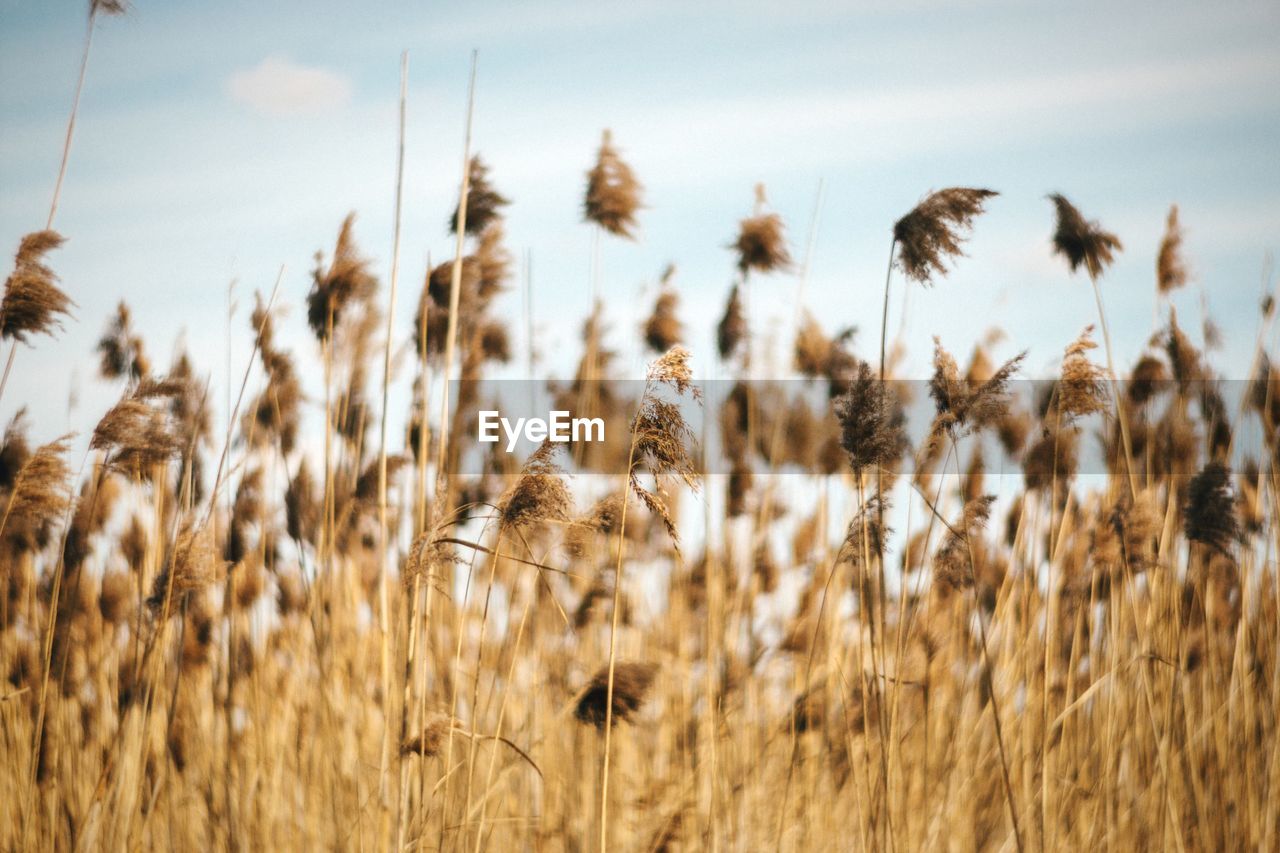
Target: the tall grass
(385, 647)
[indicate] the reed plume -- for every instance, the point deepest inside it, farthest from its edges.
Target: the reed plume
(38, 497)
(1081, 389)
(1083, 243)
(613, 194)
(934, 231)
(539, 493)
(1171, 270)
(961, 407)
(1209, 513)
(732, 329)
(121, 353)
(661, 437)
(137, 433)
(872, 431)
(346, 280)
(761, 244)
(32, 303)
(630, 683)
(663, 329)
(484, 202)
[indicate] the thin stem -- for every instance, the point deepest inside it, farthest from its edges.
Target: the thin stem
(382, 445)
(8, 366)
(1115, 391)
(613, 636)
(884, 316)
(455, 282)
(71, 120)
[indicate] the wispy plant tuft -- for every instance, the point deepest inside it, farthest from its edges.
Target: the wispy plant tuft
(32, 303)
(539, 494)
(613, 194)
(631, 681)
(761, 245)
(1209, 513)
(934, 231)
(1081, 242)
(1171, 270)
(484, 202)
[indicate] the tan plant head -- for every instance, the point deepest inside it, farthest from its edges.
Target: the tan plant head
(962, 408)
(539, 493)
(1082, 389)
(761, 244)
(613, 194)
(32, 303)
(1171, 270)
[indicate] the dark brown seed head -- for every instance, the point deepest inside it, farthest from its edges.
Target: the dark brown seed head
(933, 232)
(345, 281)
(484, 203)
(871, 423)
(1081, 242)
(1171, 271)
(631, 681)
(539, 494)
(761, 244)
(732, 329)
(1081, 390)
(663, 329)
(1209, 514)
(120, 350)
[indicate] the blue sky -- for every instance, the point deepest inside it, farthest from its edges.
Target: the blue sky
(217, 142)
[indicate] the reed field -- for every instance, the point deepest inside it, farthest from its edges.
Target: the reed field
(795, 599)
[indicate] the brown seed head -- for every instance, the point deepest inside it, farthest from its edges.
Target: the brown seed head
(347, 280)
(32, 301)
(1082, 390)
(872, 429)
(761, 244)
(934, 231)
(484, 203)
(631, 681)
(539, 494)
(1171, 272)
(1081, 242)
(732, 329)
(1209, 514)
(613, 193)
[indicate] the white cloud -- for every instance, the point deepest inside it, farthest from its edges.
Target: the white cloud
(279, 87)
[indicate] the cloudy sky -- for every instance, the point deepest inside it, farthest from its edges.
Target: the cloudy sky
(217, 142)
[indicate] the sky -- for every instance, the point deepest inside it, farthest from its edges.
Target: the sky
(218, 143)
